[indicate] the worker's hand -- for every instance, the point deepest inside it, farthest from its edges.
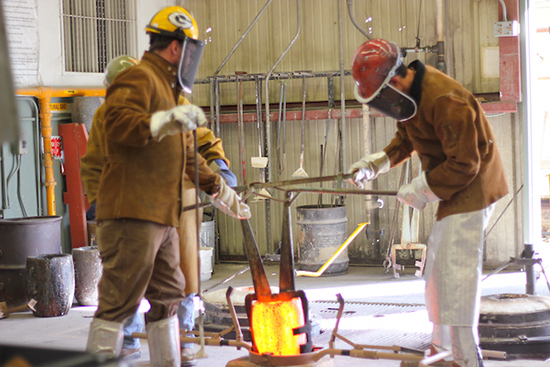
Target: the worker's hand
(179, 119)
(220, 167)
(369, 167)
(227, 200)
(417, 193)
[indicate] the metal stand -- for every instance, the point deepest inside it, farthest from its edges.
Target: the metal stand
(528, 262)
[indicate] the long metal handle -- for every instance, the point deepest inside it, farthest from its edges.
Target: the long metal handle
(259, 278)
(286, 276)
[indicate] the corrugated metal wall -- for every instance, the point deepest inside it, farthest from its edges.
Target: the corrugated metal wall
(470, 47)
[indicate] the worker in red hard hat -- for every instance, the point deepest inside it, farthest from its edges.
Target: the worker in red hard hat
(462, 171)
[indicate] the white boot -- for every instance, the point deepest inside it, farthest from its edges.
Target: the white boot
(105, 338)
(163, 337)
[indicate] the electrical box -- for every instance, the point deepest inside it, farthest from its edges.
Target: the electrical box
(507, 29)
(22, 146)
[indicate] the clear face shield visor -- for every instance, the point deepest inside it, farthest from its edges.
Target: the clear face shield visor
(189, 63)
(391, 102)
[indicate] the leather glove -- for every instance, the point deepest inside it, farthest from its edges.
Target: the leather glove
(229, 202)
(179, 119)
(417, 193)
(220, 167)
(369, 167)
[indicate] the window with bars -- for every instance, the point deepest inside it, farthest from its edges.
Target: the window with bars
(96, 31)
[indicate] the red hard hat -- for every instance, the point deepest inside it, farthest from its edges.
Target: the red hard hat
(374, 64)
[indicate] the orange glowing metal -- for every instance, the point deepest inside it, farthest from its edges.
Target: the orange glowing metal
(273, 324)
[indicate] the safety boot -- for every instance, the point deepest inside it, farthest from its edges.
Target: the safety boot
(105, 338)
(163, 337)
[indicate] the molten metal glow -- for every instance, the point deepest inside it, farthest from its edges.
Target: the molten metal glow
(272, 325)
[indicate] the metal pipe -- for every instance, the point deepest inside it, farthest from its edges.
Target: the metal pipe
(44, 95)
(342, 155)
(243, 37)
(529, 269)
(3, 176)
(278, 75)
(37, 163)
(212, 112)
(440, 16)
(267, 116)
(300, 181)
(352, 18)
(217, 104)
(268, 123)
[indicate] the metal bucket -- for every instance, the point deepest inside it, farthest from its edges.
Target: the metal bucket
(322, 231)
(20, 238)
(50, 281)
(87, 272)
(208, 237)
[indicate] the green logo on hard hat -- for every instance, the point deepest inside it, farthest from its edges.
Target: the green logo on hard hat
(180, 20)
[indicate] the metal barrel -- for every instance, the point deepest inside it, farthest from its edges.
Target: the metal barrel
(323, 229)
(20, 238)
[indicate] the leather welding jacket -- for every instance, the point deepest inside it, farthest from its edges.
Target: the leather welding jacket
(454, 141)
(91, 164)
(143, 178)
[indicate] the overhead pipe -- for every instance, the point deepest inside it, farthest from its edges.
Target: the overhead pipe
(44, 95)
(242, 37)
(267, 116)
(352, 18)
(214, 86)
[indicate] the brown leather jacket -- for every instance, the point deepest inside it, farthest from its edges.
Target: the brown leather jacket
(454, 141)
(143, 178)
(91, 164)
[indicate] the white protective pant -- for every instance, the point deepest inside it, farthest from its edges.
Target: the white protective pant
(453, 272)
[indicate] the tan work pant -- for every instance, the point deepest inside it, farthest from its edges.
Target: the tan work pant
(140, 259)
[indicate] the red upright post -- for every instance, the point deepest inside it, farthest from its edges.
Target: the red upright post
(75, 138)
(510, 58)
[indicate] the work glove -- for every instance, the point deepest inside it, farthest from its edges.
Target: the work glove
(179, 119)
(227, 200)
(220, 167)
(417, 193)
(369, 167)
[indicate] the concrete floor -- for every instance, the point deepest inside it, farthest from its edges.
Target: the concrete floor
(362, 284)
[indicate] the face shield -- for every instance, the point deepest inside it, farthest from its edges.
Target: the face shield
(189, 63)
(391, 102)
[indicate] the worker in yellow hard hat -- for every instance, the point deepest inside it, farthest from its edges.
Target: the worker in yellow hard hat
(148, 151)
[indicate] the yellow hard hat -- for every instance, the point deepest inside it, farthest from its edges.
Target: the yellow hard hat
(175, 22)
(117, 65)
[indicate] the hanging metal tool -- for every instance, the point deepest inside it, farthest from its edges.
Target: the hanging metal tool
(324, 154)
(240, 123)
(300, 172)
(282, 123)
(388, 261)
(260, 161)
(201, 353)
